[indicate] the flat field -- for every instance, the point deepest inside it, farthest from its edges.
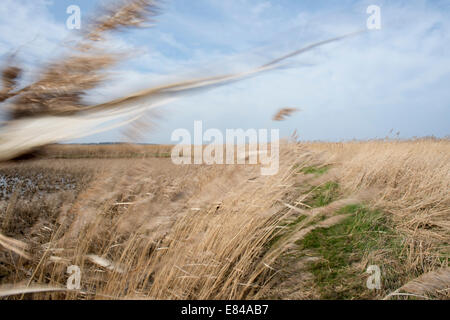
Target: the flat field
(140, 227)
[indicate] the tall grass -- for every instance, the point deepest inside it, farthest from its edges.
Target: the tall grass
(410, 181)
(215, 251)
(147, 229)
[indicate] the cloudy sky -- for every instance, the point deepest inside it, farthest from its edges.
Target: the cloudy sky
(360, 88)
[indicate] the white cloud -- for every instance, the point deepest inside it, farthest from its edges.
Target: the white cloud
(28, 27)
(357, 88)
(261, 7)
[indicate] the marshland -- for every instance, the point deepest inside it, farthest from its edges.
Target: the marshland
(342, 218)
(144, 228)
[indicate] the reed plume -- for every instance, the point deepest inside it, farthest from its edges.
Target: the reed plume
(52, 109)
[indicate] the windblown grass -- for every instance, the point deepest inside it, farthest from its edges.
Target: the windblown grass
(140, 227)
(145, 228)
(407, 183)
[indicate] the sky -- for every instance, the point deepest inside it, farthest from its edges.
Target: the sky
(379, 83)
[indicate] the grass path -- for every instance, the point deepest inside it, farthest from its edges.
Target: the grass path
(330, 243)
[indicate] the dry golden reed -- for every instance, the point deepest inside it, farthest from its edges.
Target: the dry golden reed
(52, 109)
(140, 227)
(147, 229)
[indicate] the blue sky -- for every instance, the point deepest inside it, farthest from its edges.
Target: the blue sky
(395, 78)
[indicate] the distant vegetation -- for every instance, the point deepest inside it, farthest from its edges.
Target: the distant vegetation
(139, 226)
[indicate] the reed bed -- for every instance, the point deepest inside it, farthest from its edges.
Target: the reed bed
(148, 229)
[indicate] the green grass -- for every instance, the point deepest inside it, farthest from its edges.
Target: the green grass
(345, 244)
(323, 195)
(320, 196)
(345, 250)
(317, 171)
(288, 225)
